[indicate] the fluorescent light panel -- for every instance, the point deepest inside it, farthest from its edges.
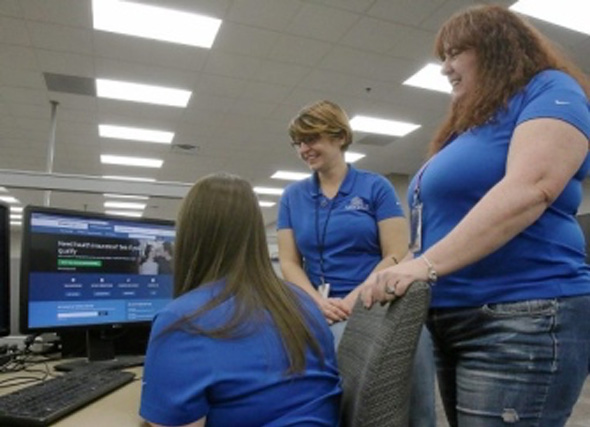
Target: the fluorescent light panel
(290, 176)
(268, 190)
(129, 178)
(124, 205)
(124, 213)
(16, 223)
(108, 159)
(135, 134)
(571, 14)
(431, 78)
(154, 22)
(125, 196)
(16, 217)
(136, 92)
(382, 126)
(351, 157)
(265, 204)
(8, 199)
(16, 209)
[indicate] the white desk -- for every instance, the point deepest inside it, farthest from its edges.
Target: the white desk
(117, 409)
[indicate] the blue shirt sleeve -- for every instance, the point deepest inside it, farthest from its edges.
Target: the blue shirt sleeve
(554, 94)
(174, 388)
(284, 213)
(387, 204)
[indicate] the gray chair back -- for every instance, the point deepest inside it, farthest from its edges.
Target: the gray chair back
(376, 356)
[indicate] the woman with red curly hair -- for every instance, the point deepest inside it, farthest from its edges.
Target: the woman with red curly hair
(493, 225)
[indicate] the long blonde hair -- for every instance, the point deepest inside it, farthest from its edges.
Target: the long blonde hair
(220, 235)
(509, 53)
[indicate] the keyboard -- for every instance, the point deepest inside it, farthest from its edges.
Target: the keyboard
(43, 403)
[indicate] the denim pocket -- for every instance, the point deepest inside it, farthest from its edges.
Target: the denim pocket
(536, 307)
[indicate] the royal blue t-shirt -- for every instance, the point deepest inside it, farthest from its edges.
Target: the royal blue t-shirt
(343, 229)
(545, 260)
(238, 381)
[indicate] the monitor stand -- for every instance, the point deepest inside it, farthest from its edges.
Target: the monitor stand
(101, 355)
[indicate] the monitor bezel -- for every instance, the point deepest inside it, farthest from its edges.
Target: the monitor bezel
(5, 290)
(25, 266)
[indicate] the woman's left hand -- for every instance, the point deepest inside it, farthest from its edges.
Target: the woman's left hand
(390, 283)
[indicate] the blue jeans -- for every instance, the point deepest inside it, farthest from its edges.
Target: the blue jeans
(422, 411)
(522, 363)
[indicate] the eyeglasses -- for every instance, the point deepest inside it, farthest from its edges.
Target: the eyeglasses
(308, 140)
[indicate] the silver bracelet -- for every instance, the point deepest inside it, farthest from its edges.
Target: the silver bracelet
(432, 274)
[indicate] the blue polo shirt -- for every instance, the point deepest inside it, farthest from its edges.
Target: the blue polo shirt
(342, 231)
(545, 260)
(239, 381)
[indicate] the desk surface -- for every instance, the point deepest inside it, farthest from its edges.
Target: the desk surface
(119, 408)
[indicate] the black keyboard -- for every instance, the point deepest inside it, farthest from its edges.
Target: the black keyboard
(50, 400)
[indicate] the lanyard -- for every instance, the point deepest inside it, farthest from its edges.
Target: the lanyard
(321, 239)
(416, 196)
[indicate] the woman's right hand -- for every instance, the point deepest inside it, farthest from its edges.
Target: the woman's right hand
(333, 309)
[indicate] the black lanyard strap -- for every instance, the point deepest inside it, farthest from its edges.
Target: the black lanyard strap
(321, 240)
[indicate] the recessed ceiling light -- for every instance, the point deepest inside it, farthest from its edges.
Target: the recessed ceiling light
(16, 216)
(129, 178)
(137, 92)
(268, 190)
(154, 22)
(430, 78)
(135, 134)
(124, 213)
(382, 126)
(108, 159)
(124, 205)
(8, 199)
(570, 14)
(125, 196)
(290, 176)
(351, 157)
(264, 204)
(16, 209)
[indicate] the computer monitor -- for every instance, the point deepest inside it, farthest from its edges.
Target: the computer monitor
(4, 270)
(93, 272)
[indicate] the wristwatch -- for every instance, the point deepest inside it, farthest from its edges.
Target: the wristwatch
(432, 274)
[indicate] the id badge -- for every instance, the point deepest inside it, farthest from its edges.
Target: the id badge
(416, 228)
(324, 290)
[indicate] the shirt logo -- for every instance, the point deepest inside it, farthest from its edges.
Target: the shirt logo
(357, 204)
(558, 102)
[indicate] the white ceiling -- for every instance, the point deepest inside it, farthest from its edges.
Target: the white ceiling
(270, 58)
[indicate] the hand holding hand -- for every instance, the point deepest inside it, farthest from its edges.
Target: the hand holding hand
(334, 309)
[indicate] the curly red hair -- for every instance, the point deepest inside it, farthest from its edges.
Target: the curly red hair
(509, 53)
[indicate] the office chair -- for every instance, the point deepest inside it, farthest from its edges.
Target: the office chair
(376, 356)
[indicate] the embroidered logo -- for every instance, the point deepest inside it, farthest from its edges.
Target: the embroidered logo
(357, 204)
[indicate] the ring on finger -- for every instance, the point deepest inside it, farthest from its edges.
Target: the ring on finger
(390, 289)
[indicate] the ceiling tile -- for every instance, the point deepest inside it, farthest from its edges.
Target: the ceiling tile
(321, 23)
(60, 38)
(14, 31)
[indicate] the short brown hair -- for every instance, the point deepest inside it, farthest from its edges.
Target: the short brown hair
(509, 53)
(322, 117)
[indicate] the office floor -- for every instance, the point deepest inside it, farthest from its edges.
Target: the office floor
(580, 416)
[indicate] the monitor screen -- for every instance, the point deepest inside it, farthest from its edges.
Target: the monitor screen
(4, 270)
(89, 270)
